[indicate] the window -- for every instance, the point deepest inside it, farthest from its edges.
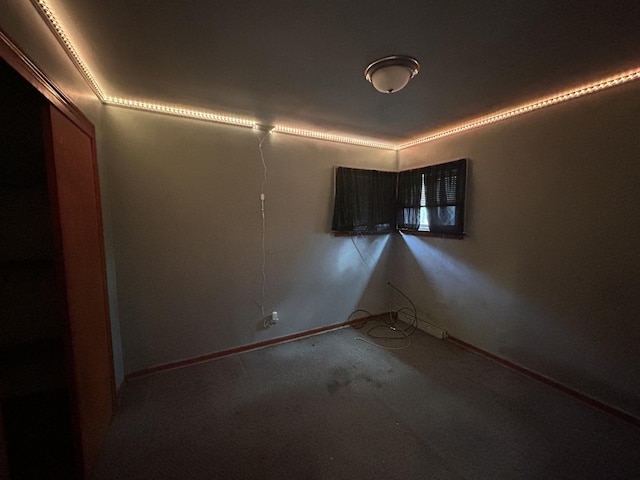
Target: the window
(364, 201)
(428, 199)
(432, 199)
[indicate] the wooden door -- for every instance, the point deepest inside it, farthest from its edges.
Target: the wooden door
(75, 199)
(4, 460)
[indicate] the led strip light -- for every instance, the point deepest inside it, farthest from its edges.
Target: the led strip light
(332, 138)
(529, 107)
(71, 50)
(242, 122)
(185, 112)
(179, 111)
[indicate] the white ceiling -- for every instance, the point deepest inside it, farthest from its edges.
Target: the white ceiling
(302, 62)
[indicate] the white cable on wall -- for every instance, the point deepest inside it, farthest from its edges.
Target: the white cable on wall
(355, 244)
(264, 224)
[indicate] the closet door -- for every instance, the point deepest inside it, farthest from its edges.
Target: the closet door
(73, 186)
(4, 460)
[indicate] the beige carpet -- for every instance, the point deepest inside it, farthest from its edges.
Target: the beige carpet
(335, 407)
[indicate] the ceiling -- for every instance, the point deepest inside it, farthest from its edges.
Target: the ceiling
(302, 62)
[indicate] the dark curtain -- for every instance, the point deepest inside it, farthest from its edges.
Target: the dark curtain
(445, 190)
(364, 201)
(408, 201)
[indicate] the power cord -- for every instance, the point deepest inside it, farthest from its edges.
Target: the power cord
(264, 225)
(364, 261)
(358, 326)
(390, 324)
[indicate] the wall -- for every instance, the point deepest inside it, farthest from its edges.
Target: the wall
(547, 277)
(549, 274)
(185, 197)
(21, 22)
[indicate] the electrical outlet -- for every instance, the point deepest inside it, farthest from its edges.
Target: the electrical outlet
(274, 318)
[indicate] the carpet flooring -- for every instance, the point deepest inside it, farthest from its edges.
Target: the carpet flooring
(333, 406)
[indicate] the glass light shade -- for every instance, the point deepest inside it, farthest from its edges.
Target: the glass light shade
(391, 74)
(391, 79)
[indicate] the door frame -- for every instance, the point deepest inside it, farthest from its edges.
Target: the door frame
(22, 64)
(26, 68)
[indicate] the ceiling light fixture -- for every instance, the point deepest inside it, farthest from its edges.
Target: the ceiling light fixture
(391, 74)
(408, 66)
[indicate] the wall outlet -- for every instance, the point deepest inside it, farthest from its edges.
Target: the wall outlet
(274, 318)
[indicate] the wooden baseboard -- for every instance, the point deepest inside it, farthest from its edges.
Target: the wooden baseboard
(552, 383)
(252, 346)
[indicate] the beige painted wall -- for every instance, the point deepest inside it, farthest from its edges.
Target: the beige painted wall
(549, 274)
(21, 22)
(185, 197)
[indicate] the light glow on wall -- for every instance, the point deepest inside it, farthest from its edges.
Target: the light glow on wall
(179, 111)
(529, 107)
(55, 25)
(185, 112)
(332, 138)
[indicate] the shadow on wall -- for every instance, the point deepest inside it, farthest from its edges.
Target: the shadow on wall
(331, 278)
(462, 297)
(542, 335)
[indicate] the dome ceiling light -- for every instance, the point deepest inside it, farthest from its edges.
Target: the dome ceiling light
(410, 64)
(391, 74)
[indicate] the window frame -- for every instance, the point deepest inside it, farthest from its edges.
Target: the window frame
(434, 177)
(447, 188)
(363, 201)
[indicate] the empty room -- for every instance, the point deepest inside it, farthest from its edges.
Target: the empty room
(319, 240)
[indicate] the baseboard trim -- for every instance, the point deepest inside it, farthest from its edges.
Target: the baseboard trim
(597, 404)
(252, 346)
